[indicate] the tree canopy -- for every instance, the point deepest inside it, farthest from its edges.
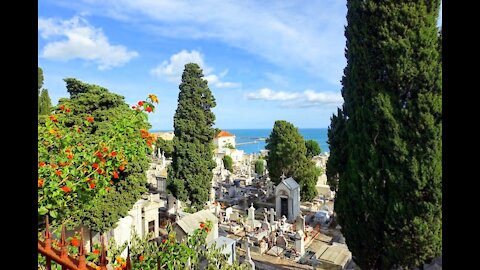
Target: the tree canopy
(313, 148)
(164, 145)
(386, 141)
(287, 154)
(114, 125)
(228, 163)
(191, 173)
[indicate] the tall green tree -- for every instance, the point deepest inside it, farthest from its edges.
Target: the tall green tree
(390, 187)
(108, 108)
(313, 148)
(259, 166)
(287, 154)
(40, 79)
(228, 163)
(44, 102)
(337, 138)
(191, 174)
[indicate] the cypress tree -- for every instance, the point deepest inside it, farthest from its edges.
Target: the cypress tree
(228, 163)
(40, 79)
(338, 156)
(259, 166)
(191, 174)
(389, 191)
(287, 154)
(44, 102)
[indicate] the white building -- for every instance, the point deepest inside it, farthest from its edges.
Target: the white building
(287, 199)
(227, 247)
(224, 140)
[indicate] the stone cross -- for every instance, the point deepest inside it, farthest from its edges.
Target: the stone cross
(283, 176)
(272, 216)
(248, 257)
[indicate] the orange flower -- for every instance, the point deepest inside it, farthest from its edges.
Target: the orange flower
(164, 241)
(80, 144)
(153, 98)
(40, 183)
(119, 259)
(95, 165)
(75, 242)
(149, 109)
(107, 189)
(206, 229)
(52, 117)
(53, 166)
(62, 107)
(66, 189)
(90, 119)
(202, 225)
(61, 163)
(68, 109)
(58, 173)
(115, 175)
(96, 251)
(41, 164)
(121, 168)
(92, 185)
(113, 154)
(140, 103)
(141, 258)
(100, 171)
(124, 264)
(78, 130)
(67, 151)
(104, 149)
(70, 156)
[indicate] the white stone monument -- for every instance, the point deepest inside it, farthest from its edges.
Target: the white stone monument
(248, 257)
(300, 242)
(287, 198)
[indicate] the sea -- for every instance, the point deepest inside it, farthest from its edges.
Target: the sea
(255, 138)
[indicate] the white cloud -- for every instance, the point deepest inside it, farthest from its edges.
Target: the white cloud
(270, 95)
(307, 98)
(309, 37)
(82, 41)
(173, 69)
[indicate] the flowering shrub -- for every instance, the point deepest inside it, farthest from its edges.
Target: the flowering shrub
(72, 171)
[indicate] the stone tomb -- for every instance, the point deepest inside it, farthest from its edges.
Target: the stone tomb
(287, 199)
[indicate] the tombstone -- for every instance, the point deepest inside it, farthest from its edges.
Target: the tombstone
(300, 222)
(248, 257)
(300, 242)
(251, 213)
(272, 216)
(282, 241)
(228, 213)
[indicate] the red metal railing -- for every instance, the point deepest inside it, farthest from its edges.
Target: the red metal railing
(61, 256)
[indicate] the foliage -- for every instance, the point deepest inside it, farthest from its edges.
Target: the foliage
(313, 148)
(191, 254)
(191, 173)
(40, 79)
(164, 145)
(228, 162)
(229, 146)
(387, 139)
(338, 157)
(259, 166)
(287, 154)
(91, 172)
(44, 103)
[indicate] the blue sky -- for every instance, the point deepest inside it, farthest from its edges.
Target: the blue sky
(264, 60)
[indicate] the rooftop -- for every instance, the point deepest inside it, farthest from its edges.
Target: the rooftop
(224, 134)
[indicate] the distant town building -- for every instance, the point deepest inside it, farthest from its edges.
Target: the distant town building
(166, 135)
(224, 140)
